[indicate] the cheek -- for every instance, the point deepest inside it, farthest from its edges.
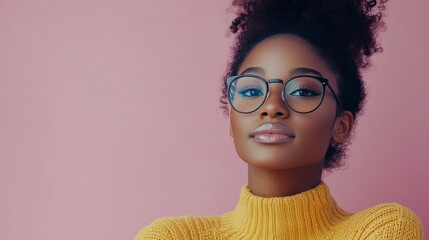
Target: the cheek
(316, 130)
(241, 127)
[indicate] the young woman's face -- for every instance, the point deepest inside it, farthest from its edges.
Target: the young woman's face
(298, 139)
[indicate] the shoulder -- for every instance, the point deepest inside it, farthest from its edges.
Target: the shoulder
(388, 221)
(185, 227)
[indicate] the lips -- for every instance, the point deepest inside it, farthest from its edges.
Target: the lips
(272, 133)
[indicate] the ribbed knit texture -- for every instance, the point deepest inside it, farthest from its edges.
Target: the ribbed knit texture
(313, 214)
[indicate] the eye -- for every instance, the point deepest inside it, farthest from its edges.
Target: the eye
(251, 92)
(302, 92)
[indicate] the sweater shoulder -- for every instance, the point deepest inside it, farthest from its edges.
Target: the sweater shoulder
(387, 221)
(184, 227)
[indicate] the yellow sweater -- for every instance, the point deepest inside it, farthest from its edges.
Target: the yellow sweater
(312, 214)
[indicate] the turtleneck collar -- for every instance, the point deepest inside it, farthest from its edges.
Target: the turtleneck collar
(309, 213)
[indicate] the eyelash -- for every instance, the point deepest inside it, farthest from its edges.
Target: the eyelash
(243, 91)
(313, 93)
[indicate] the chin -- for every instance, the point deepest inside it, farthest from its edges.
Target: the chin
(270, 162)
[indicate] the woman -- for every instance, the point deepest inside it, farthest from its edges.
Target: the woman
(294, 91)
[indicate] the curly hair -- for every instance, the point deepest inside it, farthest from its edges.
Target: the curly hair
(343, 31)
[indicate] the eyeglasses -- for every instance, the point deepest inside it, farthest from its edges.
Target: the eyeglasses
(303, 93)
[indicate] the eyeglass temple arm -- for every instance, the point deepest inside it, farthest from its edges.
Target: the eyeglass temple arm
(335, 95)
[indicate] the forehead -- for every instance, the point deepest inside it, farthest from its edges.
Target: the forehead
(280, 54)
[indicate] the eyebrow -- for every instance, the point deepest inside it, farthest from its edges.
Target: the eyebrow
(294, 71)
(256, 70)
(303, 70)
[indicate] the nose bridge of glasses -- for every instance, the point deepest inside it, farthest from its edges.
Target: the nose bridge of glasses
(275, 81)
(277, 88)
(276, 94)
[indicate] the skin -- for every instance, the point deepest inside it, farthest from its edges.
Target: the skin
(284, 169)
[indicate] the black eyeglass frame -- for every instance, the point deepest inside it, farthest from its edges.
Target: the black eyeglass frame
(324, 81)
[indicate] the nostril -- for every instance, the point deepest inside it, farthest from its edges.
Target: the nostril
(264, 114)
(279, 114)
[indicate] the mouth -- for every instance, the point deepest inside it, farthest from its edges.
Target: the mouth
(272, 133)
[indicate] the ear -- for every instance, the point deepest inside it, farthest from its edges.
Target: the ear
(342, 127)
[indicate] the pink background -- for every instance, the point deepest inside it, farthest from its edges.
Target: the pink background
(109, 117)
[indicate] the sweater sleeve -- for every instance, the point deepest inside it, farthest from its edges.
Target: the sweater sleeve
(158, 230)
(184, 227)
(399, 223)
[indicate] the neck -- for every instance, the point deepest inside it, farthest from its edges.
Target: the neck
(302, 216)
(279, 183)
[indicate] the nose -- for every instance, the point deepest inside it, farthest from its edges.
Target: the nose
(274, 106)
